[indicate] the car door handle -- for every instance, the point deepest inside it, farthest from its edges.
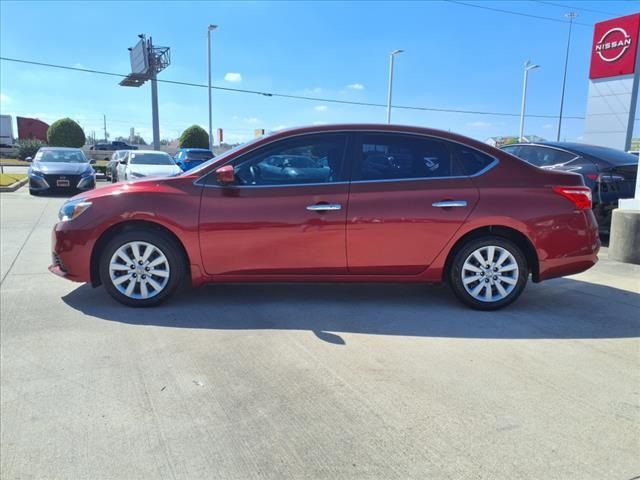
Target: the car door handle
(450, 203)
(324, 207)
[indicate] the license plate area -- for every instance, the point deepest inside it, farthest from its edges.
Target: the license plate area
(62, 183)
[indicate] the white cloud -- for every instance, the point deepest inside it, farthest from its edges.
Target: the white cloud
(479, 124)
(356, 86)
(548, 126)
(279, 127)
(4, 98)
(252, 120)
(233, 77)
(321, 108)
(319, 122)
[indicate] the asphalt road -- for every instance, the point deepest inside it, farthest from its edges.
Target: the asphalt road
(312, 381)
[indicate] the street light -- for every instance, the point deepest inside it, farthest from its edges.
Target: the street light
(210, 28)
(391, 57)
(527, 66)
(570, 16)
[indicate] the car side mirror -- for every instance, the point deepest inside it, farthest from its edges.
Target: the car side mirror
(28, 159)
(92, 161)
(123, 162)
(225, 175)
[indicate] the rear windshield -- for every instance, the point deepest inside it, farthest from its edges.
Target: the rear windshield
(61, 156)
(611, 155)
(199, 155)
(151, 159)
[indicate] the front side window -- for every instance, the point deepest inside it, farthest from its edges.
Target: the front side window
(309, 159)
(396, 157)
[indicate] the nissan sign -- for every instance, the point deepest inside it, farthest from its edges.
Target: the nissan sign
(615, 47)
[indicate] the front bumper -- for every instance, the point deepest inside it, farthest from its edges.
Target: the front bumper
(71, 252)
(41, 183)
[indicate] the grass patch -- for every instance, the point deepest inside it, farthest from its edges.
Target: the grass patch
(7, 179)
(14, 162)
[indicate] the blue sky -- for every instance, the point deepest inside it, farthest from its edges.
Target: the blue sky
(456, 56)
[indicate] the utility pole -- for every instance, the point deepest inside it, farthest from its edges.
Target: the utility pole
(389, 93)
(104, 117)
(570, 16)
(527, 66)
(210, 28)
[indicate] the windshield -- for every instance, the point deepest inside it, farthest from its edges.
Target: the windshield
(222, 157)
(61, 156)
(151, 159)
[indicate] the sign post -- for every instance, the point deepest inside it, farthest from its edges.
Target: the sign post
(611, 107)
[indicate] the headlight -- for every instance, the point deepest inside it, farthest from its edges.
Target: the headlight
(72, 209)
(137, 175)
(87, 173)
(37, 173)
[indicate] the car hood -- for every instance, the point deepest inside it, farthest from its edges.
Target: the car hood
(61, 168)
(155, 170)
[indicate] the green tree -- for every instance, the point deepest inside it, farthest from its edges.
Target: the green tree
(65, 133)
(28, 148)
(194, 137)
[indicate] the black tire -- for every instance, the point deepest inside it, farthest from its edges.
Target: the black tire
(463, 253)
(161, 241)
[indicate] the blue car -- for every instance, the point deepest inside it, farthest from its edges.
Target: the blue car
(188, 158)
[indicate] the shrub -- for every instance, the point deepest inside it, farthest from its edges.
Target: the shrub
(65, 133)
(194, 137)
(28, 148)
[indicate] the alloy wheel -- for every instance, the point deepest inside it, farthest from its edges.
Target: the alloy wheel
(139, 270)
(490, 273)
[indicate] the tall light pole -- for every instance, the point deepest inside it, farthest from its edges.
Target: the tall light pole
(210, 28)
(570, 16)
(527, 66)
(391, 57)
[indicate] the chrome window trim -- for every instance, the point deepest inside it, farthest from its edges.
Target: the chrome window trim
(367, 130)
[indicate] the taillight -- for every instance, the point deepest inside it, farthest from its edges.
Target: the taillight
(580, 196)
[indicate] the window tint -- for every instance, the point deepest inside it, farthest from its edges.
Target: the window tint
(471, 161)
(389, 157)
(159, 158)
(543, 156)
(311, 159)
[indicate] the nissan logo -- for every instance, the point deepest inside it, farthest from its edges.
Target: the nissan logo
(611, 50)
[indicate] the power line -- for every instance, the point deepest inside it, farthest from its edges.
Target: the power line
(295, 97)
(511, 12)
(573, 7)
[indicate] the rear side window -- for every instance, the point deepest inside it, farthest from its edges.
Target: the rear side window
(543, 156)
(471, 161)
(397, 157)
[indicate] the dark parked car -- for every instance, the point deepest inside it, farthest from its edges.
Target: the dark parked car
(60, 169)
(400, 204)
(115, 145)
(188, 158)
(111, 171)
(609, 173)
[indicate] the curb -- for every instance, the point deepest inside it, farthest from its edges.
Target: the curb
(14, 186)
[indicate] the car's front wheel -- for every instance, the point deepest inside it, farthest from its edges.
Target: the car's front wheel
(488, 273)
(142, 268)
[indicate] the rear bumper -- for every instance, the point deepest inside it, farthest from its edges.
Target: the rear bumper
(579, 245)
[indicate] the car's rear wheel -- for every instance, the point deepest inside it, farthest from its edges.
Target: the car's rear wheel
(488, 273)
(141, 268)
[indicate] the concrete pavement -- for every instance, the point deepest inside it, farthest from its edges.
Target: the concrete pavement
(312, 381)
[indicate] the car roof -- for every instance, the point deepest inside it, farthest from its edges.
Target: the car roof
(60, 148)
(607, 154)
(146, 151)
(195, 150)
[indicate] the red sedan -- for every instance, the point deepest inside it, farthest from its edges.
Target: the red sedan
(335, 203)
